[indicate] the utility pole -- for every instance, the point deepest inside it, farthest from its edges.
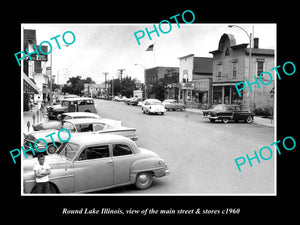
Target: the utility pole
(105, 75)
(121, 73)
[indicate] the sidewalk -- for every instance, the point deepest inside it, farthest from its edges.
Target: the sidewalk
(32, 117)
(257, 119)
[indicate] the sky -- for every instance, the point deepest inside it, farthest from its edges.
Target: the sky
(100, 48)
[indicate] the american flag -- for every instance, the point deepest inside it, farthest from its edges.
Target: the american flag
(150, 48)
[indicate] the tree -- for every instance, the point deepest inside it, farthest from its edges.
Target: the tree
(75, 85)
(124, 87)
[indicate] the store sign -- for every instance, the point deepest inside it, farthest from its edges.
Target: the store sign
(189, 86)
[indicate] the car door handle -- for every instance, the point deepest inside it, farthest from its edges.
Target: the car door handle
(110, 161)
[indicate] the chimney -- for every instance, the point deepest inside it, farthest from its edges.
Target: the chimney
(255, 42)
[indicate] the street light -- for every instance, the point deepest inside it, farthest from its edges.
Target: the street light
(250, 53)
(51, 97)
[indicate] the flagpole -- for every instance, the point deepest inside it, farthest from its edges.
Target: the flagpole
(154, 53)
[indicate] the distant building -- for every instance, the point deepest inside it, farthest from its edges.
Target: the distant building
(93, 90)
(231, 65)
(195, 81)
(160, 82)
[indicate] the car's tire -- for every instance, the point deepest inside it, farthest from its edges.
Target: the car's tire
(144, 180)
(249, 119)
(51, 149)
(212, 120)
(225, 120)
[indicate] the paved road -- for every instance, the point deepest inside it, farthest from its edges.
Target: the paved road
(200, 154)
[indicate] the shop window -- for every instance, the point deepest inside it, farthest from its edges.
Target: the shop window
(235, 98)
(217, 95)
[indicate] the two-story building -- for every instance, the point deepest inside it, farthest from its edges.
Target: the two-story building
(231, 65)
(35, 77)
(195, 81)
(161, 82)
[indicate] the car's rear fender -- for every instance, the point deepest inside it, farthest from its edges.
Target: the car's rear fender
(146, 165)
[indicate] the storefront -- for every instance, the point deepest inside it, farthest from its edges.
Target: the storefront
(29, 89)
(226, 93)
(196, 94)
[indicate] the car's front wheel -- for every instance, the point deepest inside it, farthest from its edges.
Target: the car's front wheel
(225, 120)
(249, 119)
(144, 180)
(51, 149)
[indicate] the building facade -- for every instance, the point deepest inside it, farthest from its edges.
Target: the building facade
(161, 82)
(35, 77)
(195, 81)
(231, 65)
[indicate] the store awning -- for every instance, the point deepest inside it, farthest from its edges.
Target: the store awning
(31, 85)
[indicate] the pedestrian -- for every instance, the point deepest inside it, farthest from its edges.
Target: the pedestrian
(31, 103)
(41, 172)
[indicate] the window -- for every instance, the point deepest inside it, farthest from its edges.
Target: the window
(69, 126)
(217, 94)
(260, 67)
(99, 126)
(65, 103)
(81, 102)
(219, 71)
(234, 70)
(121, 149)
(86, 127)
(89, 102)
(95, 152)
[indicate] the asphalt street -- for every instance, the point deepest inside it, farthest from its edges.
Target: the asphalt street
(200, 154)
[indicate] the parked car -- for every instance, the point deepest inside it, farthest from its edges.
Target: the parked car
(153, 106)
(77, 127)
(72, 105)
(57, 124)
(97, 162)
(62, 117)
(228, 112)
(135, 101)
(173, 104)
(128, 100)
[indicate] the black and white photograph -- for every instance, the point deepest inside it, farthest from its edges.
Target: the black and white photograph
(149, 111)
(143, 109)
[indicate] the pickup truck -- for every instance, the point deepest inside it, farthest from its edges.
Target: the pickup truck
(228, 112)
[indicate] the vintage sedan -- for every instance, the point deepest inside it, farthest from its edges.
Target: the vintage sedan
(97, 162)
(228, 112)
(150, 106)
(72, 115)
(76, 127)
(65, 116)
(173, 104)
(80, 104)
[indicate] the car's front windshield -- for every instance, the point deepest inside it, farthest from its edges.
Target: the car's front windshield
(68, 150)
(155, 103)
(219, 107)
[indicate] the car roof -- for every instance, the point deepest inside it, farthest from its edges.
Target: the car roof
(85, 120)
(91, 139)
(80, 114)
(152, 99)
(77, 99)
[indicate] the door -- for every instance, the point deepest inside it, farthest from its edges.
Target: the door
(93, 168)
(123, 157)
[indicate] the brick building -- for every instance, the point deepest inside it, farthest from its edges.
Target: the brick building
(231, 65)
(161, 82)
